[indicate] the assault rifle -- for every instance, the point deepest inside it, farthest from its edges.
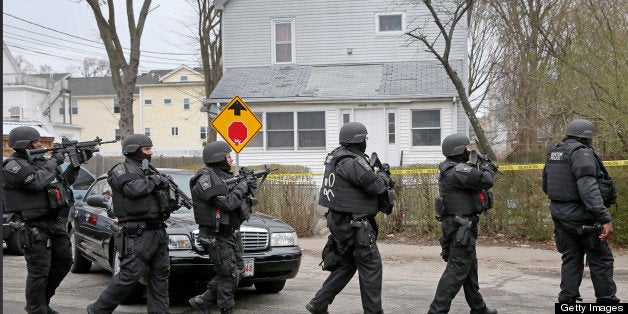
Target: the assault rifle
(77, 151)
(175, 197)
(385, 200)
(476, 158)
(249, 175)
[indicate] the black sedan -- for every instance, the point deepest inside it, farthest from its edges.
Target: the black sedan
(271, 251)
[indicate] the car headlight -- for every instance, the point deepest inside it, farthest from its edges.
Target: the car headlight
(284, 239)
(179, 242)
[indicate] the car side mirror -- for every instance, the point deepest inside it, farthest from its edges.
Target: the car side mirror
(98, 201)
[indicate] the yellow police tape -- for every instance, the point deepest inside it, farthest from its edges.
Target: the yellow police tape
(275, 177)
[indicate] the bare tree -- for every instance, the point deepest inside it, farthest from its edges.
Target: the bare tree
(93, 67)
(210, 42)
(123, 73)
(24, 66)
(446, 17)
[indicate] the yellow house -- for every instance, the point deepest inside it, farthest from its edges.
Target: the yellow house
(166, 107)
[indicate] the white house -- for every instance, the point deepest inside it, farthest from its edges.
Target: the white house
(40, 100)
(306, 67)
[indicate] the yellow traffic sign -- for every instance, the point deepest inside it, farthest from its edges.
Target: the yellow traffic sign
(236, 124)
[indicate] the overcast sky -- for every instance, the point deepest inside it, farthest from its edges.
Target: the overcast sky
(62, 33)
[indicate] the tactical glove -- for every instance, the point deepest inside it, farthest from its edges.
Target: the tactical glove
(59, 157)
(489, 166)
(385, 168)
(156, 179)
(243, 186)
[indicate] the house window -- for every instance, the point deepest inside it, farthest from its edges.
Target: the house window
(62, 110)
(147, 131)
(117, 134)
(148, 102)
(258, 139)
(346, 118)
(116, 105)
(283, 41)
(311, 129)
(391, 128)
(280, 130)
(167, 101)
(186, 103)
(203, 132)
(74, 106)
(426, 129)
(391, 23)
(183, 78)
(174, 131)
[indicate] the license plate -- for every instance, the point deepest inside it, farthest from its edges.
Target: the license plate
(249, 267)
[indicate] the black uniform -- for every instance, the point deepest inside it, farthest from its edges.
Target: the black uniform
(28, 189)
(143, 244)
(350, 190)
(459, 184)
(219, 213)
(570, 179)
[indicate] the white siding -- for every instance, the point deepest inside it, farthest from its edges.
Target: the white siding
(324, 31)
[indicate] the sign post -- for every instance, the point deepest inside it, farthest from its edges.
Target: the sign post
(237, 125)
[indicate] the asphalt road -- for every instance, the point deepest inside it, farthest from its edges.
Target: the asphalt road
(513, 280)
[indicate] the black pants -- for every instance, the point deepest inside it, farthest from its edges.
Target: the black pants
(47, 262)
(150, 252)
(225, 252)
(461, 270)
(573, 246)
(366, 260)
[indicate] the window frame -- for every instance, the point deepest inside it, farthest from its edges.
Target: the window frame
(273, 40)
(116, 104)
(174, 129)
(74, 104)
(116, 134)
(440, 127)
(378, 30)
(147, 131)
(295, 130)
(148, 102)
(167, 101)
(188, 103)
(183, 78)
(203, 132)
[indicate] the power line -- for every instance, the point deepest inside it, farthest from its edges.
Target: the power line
(94, 41)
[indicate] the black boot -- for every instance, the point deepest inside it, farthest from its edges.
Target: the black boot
(198, 303)
(226, 311)
(314, 310)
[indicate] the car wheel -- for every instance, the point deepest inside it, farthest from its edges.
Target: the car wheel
(13, 245)
(80, 264)
(270, 286)
(137, 293)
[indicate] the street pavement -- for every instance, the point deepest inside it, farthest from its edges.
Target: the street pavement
(512, 280)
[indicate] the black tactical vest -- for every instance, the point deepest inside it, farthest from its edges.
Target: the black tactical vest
(32, 204)
(561, 182)
(456, 201)
(205, 212)
(144, 208)
(340, 195)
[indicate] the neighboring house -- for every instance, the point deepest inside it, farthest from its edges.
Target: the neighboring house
(166, 107)
(39, 100)
(307, 67)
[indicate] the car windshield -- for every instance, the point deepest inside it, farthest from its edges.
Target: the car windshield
(182, 179)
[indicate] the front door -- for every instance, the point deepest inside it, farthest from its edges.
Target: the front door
(381, 124)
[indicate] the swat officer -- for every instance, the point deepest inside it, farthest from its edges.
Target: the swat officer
(350, 192)
(219, 211)
(31, 189)
(458, 205)
(142, 241)
(580, 191)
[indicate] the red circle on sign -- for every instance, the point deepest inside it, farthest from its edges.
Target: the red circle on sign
(237, 132)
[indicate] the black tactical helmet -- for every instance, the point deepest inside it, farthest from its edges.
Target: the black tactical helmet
(352, 133)
(21, 136)
(215, 152)
(581, 128)
(134, 141)
(455, 144)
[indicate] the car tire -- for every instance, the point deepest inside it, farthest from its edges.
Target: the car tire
(270, 286)
(137, 293)
(80, 264)
(13, 245)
